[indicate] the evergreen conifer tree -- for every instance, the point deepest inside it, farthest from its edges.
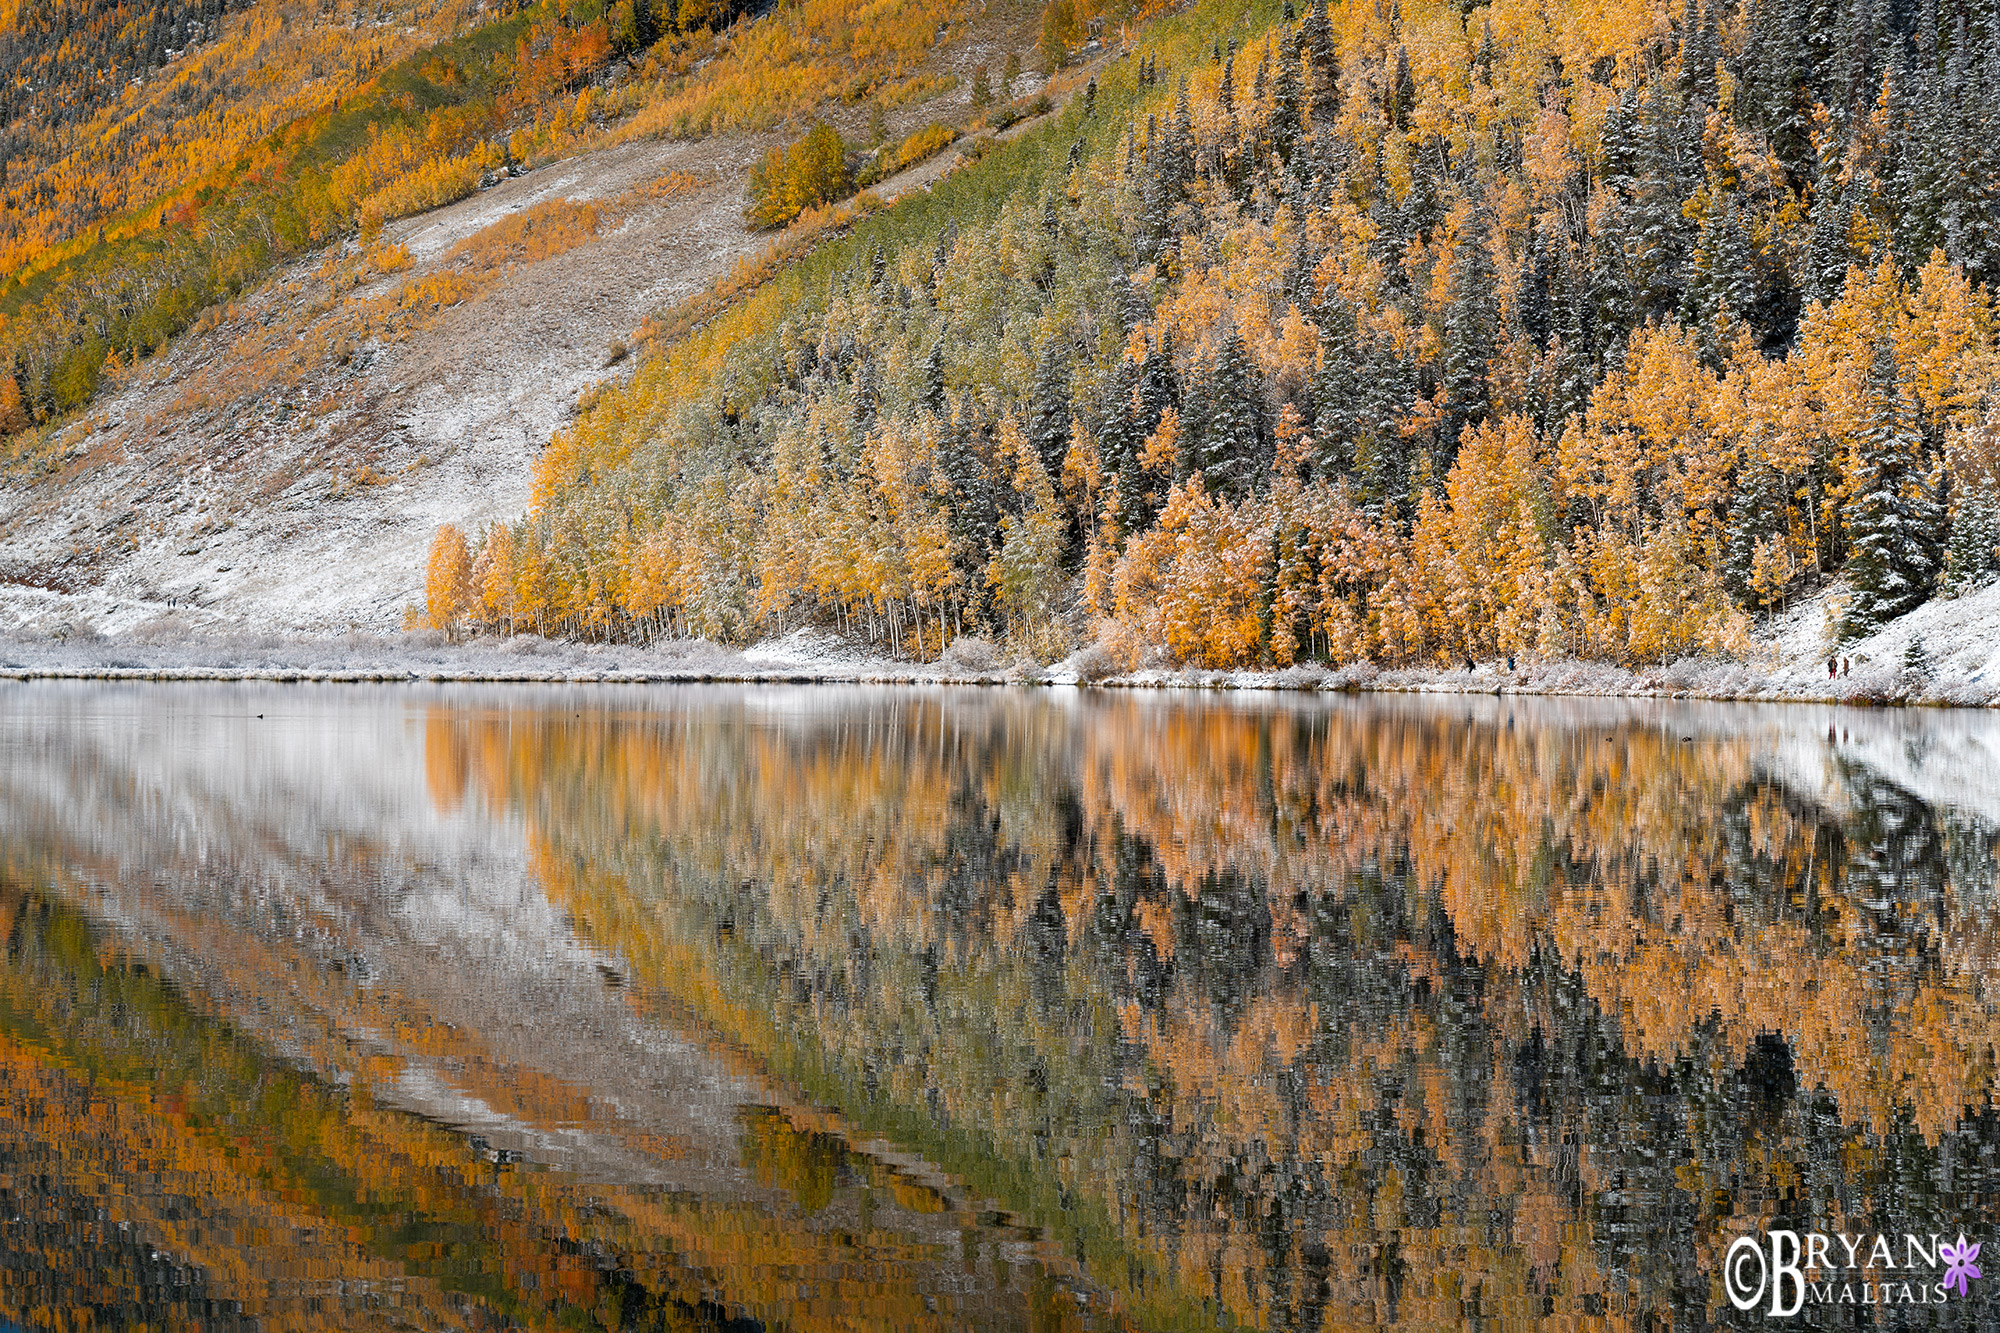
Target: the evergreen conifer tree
(1381, 457)
(1336, 387)
(1284, 124)
(1755, 515)
(1897, 523)
(965, 457)
(1655, 222)
(1177, 151)
(1159, 388)
(1231, 438)
(1471, 332)
(1402, 91)
(931, 396)
(1048, 418)
(1316, 39)
(1827, 256)
(1120, 436)
(1972, 557)
(1724, 285)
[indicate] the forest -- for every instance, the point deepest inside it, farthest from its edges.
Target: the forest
(1407, 333)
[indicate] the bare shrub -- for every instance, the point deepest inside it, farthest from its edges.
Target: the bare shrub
(1093, 663)
(971, 653)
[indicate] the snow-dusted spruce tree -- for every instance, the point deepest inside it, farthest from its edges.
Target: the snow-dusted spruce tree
(1231, 435)
(1897, 522)
(1917, 668)
(1970, 559)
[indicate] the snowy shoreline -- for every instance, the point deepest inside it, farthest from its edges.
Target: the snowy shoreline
(1961, 641)
(698, 662)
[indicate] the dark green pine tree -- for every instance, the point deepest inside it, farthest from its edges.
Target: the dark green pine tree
(1699, 48)
(1723, 289)
(1231, 442)
(1978, 222)
(1972, 557)
(1159, 387)
(930, 393)
(975, 509)
(1777, 85)
(1048, 408)
(1571, 342)
(1897, 525)
(1472, 329)
(1316, 40)
(1970, 219)
(1657, 232)
(1532, 310)
(1853, 71)
(1921, 178)
(1756, 514)
(1381, 455)
(1423, 207)
(1225, 153)
(867, 395)
(1177, 151)
(1196, 410)
(1119, 440)
(1284, 125)
(1402, 92)
(1335, 394)
(1155, 200)
(1827, 254)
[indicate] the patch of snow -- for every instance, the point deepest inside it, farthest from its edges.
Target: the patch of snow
(808, 648)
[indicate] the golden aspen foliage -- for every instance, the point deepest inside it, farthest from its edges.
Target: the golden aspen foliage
(13, 414)
(448, 586)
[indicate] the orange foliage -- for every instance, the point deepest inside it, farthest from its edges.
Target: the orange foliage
(448, 579)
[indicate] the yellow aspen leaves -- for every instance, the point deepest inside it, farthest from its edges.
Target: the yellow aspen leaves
(448, 590)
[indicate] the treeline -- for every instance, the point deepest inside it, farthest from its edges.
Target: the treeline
(1367, 335)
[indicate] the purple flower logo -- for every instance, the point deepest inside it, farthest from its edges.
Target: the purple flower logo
(1960, 1257)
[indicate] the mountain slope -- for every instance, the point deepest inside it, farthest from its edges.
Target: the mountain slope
(284, 464)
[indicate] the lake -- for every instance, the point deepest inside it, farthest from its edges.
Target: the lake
(818, 1007)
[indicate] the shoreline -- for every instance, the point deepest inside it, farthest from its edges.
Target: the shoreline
(1709, 681)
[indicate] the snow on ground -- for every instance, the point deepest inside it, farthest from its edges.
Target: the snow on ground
(223, 487)
(1962, 637)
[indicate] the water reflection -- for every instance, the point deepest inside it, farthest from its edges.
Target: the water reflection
(848, 1008)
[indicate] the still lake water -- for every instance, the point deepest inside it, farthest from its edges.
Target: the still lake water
(821, 1008)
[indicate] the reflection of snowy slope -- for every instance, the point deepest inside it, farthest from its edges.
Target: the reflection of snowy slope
(280, 854)
(1947, 757)
(311, 806)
